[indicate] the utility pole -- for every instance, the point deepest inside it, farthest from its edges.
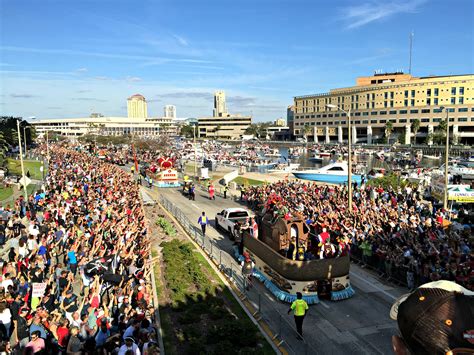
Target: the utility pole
(21, 161)
(24, 137)
(47, 146)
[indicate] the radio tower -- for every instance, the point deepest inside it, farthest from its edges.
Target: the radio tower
(412, 34)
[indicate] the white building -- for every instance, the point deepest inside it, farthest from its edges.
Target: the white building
(170, 111)
(220, 109)
(136, 106)
(106, 126)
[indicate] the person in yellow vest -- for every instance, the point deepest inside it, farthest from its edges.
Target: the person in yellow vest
(299, 308)
(203, 221)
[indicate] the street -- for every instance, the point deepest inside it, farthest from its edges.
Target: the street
(358, 325)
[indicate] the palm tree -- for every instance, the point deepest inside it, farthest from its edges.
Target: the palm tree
(306, 131)
(3, 148)
(388, 130)
(415, 126)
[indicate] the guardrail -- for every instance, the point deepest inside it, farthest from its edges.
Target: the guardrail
(284, 333)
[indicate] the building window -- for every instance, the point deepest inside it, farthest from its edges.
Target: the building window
(366, 113)
(367, 97)
(425, 120)
(406, 93)
(373, 96)
(412, 103)
(383, 112)
(437, 110)
(343, 114)
(462, 109)
(343, 122)
(385, 95)
(472, 119)
(453, 91)
(453, 100)
(373, 104)
(451, 119)
(393, 112)
(373, 121)
(428, 92)
(435, 101)
(365, 122)
(461, 90)
(391, 103)
(461, 100)
(428, 102)
(330, 115)
(391, 95)
(413, 111)
(374, 113)
(425, 110)
(413, 93)
(383, 121)
(436, 119)
(402, 120)
(357, 114)
(462, 119)
(356, 122)
(385, 104)
(403, 112)
(405, 103)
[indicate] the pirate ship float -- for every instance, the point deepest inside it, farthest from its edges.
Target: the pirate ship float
(285, 277)
(163, 173)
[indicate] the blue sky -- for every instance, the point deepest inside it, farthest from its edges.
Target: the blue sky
(73, 57)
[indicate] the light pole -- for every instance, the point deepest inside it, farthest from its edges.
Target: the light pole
(21, 161)
(349, 153)
(24, 136)
(195, 152)
(446, 160)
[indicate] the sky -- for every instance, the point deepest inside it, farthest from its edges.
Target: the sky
(70, 58)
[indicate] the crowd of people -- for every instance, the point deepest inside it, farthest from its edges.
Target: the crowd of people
(75, 264)
(391, 230)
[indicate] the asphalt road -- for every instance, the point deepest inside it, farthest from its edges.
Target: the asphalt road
(360, 325)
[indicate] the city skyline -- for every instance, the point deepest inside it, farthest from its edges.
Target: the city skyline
(69, 60)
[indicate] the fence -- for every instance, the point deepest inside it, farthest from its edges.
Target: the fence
(265, 308)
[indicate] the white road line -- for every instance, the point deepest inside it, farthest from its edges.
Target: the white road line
(195, 206)
(324, 304)
(374, 286)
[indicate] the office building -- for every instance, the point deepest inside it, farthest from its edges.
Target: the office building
(290, 117)
(397, 98)
(169, 111)
(220, 109)
(136, 107)
(229, 127)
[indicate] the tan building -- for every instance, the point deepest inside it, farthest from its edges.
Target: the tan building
(136, 107)
(396, 98)
(229, 127)
(220, 108)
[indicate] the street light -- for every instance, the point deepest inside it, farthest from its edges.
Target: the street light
(195, 152)
(24, 136)
(446, 159)
(349, 153)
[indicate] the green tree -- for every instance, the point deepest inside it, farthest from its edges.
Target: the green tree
(306, 131)
(388, 130)
(187, 131)
(3, 149)
(415, 127)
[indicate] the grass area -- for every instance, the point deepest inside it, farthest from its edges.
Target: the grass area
(33, 166)
(202, 316)
(166, 226)
(5, 192)
(239, 180)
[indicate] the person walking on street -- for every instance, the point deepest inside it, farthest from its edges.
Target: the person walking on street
(247, 270)
(211, 192)
(299, 308)
(226, 187)
(203, 221)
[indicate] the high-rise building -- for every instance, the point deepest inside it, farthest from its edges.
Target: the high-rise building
(170, 111)
(136, 107)
(394, 99)
(220, 109)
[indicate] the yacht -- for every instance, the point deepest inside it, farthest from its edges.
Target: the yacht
(456, 169)
(335, 173)
(282, 169)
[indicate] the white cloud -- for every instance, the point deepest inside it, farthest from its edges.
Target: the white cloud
(365, 13)
(181, 40)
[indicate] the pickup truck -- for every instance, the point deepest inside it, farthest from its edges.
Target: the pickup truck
(226, 219)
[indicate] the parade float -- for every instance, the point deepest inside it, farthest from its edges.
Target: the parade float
(163, 173)
(285, 277)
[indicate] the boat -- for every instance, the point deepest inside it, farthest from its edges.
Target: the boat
(284, 277)
(432, 157)
(316, 158)
(335, 173)
(460, 170)
(274, 153)
(281, 168)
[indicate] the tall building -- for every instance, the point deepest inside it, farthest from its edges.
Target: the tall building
(290, 118)
(136, 107)
(229, 127)
(170, 111)
(396, 98)
(220, 109)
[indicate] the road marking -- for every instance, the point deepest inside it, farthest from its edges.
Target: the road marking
(195, 206)
(324, 304)
(374, 286)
